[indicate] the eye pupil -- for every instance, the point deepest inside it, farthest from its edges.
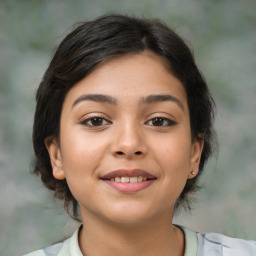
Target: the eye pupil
(96, 121)
(158, 121)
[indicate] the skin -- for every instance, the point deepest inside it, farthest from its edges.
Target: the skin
(128, 136)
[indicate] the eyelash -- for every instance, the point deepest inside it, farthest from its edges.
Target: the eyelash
(103, 121)
(165, 121)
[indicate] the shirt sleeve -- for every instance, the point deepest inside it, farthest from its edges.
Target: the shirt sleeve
(213, 244)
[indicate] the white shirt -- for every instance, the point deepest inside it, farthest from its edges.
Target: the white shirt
(196, 244)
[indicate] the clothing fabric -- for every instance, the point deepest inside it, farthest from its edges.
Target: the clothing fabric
(196, 244)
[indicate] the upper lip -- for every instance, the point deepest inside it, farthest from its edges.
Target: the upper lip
(127, 173)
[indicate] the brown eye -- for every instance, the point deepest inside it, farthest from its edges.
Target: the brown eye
(160, 121)
(95, 121)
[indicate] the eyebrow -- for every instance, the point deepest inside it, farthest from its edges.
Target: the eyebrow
(101, 98)
(150, 99)
(155, 98)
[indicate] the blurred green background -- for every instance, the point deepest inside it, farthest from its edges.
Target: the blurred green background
(223, 36)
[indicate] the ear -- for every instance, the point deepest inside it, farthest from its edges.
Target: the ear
(195, 156)
(55, 155)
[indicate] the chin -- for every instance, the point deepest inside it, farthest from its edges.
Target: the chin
(129, 216)
(129, 221)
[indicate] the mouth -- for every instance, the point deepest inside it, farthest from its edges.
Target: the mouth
(128, 181)
(125, 179)
(128, 176)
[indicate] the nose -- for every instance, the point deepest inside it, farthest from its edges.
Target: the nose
(129, 142)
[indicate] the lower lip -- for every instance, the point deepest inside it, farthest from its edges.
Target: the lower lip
(126, 187)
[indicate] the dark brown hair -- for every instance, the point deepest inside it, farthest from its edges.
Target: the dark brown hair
(95, 42)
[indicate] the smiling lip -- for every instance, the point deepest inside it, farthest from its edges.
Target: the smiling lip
(122, 180)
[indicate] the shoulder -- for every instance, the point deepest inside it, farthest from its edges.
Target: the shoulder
(68, 247)
(52, 250)
(212, 244)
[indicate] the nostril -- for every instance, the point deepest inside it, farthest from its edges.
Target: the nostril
(122, 153)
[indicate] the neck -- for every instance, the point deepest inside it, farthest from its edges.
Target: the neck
(158, 237)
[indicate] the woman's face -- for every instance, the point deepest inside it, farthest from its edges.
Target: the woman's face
(125, 143)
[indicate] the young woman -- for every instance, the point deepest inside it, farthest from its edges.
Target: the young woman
(122, 131)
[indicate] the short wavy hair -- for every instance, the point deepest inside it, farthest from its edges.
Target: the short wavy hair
(94, 42)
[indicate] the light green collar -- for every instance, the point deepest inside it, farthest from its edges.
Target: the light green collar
(190, 242)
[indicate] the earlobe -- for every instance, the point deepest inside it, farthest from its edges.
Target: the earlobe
(196, 152)
(55, 155)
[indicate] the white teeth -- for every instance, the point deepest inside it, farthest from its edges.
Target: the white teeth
(125, 179)
(140, 178)
(117, 179)
(133, 179)
(129, 179)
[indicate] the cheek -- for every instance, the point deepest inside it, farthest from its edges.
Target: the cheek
(173, 157)
(175, 151)
(81, 154)
(80, 158)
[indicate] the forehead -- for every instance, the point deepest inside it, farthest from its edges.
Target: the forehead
(130, 77)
